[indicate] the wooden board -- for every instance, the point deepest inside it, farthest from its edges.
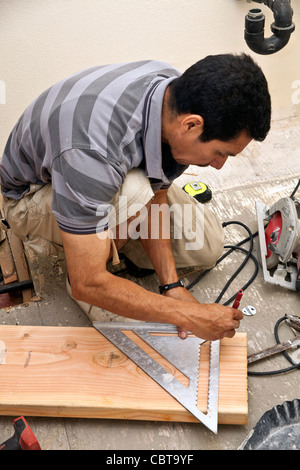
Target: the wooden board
(76, 372)
(17, 249)
(13, 265)
(7, 263)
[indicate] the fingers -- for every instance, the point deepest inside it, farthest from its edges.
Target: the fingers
(212, 322)
(229, 334)
(235, 324)
(237, 314)
(183, 334)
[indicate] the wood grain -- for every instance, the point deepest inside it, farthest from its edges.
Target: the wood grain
(7, 263)
(76, 372)
(16, 246)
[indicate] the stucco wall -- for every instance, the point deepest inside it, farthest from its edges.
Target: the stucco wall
(43, 41)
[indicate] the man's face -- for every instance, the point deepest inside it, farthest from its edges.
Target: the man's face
(214, 153)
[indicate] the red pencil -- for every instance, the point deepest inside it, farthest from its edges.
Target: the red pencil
(238, 299)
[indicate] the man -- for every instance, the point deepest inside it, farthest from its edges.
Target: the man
(124, 132)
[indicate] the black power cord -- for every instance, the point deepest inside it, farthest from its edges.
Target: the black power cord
(231, 248)
(295, 190)
(285, 353)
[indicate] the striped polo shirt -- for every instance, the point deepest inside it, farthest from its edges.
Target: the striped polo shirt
(84, 134)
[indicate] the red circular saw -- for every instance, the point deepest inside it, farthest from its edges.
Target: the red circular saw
(272, 235)
(279, 235)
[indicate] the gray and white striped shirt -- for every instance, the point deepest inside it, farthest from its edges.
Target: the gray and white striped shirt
(84, 134)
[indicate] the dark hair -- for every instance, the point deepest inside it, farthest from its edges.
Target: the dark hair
(229, 91)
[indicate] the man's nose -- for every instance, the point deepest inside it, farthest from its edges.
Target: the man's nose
(218, 162)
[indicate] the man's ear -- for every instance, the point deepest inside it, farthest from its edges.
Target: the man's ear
(192, 123)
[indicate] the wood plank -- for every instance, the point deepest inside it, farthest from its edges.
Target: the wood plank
(7, 263)
(76, 372)
(35, 268)
(16, 246)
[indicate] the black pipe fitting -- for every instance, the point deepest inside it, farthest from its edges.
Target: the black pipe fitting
(282, 27)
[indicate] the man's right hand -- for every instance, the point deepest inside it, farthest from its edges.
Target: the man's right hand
(210, 321)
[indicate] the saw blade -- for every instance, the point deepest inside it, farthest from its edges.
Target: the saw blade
(283, 275)
(184, 355)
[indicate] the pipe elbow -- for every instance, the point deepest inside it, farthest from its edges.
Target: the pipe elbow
(282, 27)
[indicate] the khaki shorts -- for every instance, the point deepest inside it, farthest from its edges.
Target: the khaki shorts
(196, 234)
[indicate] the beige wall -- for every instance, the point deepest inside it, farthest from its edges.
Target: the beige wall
(43, 41)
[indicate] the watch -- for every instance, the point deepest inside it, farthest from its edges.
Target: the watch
(167, 287)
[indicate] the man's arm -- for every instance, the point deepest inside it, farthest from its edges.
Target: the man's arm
(86, 257)
(160, 253)
(159, 249)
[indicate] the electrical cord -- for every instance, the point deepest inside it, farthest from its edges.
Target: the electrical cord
(295, 190)
(231, 248)
(285, 353)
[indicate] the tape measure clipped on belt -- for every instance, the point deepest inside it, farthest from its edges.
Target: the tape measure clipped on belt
(198, 190)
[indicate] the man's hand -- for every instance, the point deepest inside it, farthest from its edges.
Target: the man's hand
(211, 321)
(214, 320)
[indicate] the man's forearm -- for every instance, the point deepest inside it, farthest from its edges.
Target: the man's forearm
(126, 298)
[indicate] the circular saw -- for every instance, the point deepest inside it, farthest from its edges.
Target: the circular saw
(279, 238)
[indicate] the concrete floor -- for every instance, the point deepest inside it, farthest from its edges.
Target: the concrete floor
(266, 172)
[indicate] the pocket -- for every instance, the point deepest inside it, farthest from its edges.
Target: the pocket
(15, 213)
(39, 200)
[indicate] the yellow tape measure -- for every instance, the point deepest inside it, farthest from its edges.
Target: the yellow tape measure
(198, 190)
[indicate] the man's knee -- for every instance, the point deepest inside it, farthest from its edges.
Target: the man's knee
(213, 240)
(135, 191)
(32, 220)
(198, 238)
(212, 249)
(131, 200)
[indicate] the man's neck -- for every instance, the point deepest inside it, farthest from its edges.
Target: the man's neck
(167, 117)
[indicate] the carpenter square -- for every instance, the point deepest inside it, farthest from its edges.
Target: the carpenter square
(184, 354)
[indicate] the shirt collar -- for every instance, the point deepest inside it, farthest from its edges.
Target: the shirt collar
(152, 131)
